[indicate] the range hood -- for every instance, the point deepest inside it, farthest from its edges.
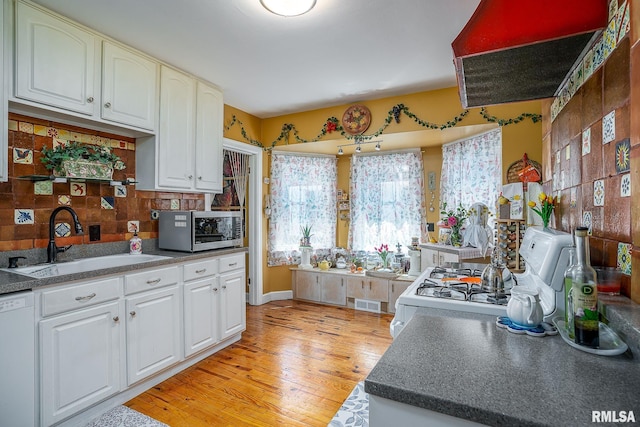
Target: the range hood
(518, 50)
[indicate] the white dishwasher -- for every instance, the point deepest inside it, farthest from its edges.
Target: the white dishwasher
(17, 360)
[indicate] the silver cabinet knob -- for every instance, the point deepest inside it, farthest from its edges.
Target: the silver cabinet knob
(190, 177)
(200, 178)
(133, 314)
(107, 105)
(90, 99)
(116, 319)
(215, 289)
(224, 286)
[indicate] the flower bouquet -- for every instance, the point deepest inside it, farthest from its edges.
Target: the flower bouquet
(383, 252)
(454, 219)
(547, 203)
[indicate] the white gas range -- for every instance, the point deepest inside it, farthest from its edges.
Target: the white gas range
(546, 255)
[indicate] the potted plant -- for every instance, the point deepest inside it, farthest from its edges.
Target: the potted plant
(306, 235)
(77, 160)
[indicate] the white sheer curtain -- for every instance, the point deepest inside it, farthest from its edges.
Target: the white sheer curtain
(302, 193)
(472, 171)
(387, 193)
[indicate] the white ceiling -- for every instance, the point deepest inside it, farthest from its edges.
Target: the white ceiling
(341, 52)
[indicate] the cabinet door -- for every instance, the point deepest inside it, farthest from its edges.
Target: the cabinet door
(334, 290)
(4, 136)
(55, 61)
(153, 332)
(357, 287)
(80, 360)
(378, 289)
(232, 303)
(396, 288)
(428, 258)
(208, 144)
(176, 129)
(447, 257)
(201, 325)
(129, 83)
(307, 286)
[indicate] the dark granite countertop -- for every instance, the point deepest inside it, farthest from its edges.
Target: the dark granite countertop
(462, 365)
(12, 282)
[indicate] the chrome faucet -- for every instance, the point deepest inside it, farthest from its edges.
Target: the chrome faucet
(52, 249)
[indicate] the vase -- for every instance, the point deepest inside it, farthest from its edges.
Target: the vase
(456, 237)
(86, 169)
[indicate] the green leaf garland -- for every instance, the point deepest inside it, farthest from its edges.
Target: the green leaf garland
(332, 124)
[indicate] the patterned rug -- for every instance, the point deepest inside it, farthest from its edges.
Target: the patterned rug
(354, 411)
(122, 416)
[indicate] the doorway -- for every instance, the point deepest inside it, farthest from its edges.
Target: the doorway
(254, 216)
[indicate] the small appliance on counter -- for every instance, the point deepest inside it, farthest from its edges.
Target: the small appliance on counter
(459, 287)
(192, 231)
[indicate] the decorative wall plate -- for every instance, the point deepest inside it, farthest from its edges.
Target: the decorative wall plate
(356, 119)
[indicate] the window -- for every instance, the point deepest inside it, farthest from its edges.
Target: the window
(472, 171)
(386, 199)
(302, 193)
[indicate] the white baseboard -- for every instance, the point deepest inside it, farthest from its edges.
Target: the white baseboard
(276, 296)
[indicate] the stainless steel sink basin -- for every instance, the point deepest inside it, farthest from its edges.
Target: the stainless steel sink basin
(83, 265)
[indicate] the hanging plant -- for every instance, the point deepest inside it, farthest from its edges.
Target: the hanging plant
(332, 124)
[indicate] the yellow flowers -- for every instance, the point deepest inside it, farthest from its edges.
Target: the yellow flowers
(547, 203)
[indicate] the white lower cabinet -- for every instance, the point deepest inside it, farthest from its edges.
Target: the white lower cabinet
(396, 288)
(201, 324)
(320, 287)
(334, 290)
(153, 332)
(232, 303)
(105, 336)
(368, 288)
(80, 361)
(435, 258)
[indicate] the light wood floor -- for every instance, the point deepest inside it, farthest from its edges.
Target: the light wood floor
(295, 365)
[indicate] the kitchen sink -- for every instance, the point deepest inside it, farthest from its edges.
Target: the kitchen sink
(83, 265)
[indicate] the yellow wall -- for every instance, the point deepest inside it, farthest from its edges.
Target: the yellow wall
(437, 106)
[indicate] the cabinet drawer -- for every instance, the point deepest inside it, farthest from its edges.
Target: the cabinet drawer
(200, 269)
(151, 279)
(232, 262)
(79, 296)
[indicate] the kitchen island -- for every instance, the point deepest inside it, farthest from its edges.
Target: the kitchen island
(452, 368)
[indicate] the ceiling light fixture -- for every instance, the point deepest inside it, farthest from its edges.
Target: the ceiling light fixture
(288, 7)
(359, 143)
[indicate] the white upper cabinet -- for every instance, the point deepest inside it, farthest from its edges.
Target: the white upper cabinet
(177, 127)
(188, 147)
(208, 146)
(55, 61)
(129, 87)
(65, 66)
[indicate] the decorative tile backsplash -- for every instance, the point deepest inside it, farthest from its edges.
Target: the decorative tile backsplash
(27, 205)
(618, 27)
(598, 193)
(609, 127)
(624, 257)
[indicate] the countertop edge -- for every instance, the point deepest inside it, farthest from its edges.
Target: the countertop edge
(13, 282)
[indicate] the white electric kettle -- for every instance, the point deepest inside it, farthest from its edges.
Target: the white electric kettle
(524, 307)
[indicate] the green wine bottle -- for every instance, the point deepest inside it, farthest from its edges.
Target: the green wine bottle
(584, 294)
(568, 297)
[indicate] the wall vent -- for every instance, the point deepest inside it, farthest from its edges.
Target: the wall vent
(367, 305)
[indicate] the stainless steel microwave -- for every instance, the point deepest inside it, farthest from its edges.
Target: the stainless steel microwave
(192, 231)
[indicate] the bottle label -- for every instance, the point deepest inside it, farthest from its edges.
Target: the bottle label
(585, 301)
